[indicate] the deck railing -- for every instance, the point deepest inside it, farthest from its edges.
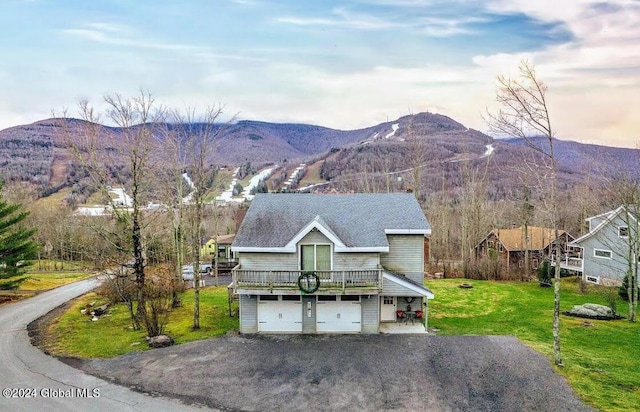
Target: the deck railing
(568, 261)
(329, 279)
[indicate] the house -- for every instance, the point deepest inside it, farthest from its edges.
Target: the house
(347, 263)
(509, 245)
(602, 255)
(218, 250)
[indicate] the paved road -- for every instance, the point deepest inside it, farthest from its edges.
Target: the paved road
(50, 384)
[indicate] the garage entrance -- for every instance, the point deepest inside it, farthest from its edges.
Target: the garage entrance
(280, 313)
(338, 314)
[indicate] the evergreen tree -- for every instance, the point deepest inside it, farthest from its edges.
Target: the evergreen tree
(16, 243)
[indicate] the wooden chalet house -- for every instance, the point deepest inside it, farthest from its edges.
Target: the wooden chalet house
(509, 245)
(330, 263)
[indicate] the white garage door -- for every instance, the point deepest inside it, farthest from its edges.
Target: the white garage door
(279, 314)
(338, 314)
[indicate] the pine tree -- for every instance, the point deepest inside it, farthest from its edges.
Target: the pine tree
(16, 243)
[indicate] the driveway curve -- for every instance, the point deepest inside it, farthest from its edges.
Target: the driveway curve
(282, 372)
(349, 372)
(33, 381)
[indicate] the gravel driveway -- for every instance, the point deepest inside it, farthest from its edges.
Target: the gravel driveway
(348, 372)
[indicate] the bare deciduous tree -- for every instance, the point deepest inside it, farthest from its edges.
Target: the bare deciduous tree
(124, 158)
(524, 113)
(198, 134)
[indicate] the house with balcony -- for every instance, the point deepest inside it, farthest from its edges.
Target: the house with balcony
(331, 263)
(512, 246)
(602, 255)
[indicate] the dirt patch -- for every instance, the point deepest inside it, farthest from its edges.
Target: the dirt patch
(58, 173)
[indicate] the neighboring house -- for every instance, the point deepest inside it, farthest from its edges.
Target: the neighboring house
(509, 245)
(219, 249)
(602, 255)
(330, 263)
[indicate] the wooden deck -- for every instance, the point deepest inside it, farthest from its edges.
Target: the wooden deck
(344, 280)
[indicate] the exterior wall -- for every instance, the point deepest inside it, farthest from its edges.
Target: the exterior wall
(248, 314)
(343, 261)
(606, 239)
(406, 256)
(308, 323)
(393, 289)
(269, 261)
(314, 237)
(356, 261)
(370, 314)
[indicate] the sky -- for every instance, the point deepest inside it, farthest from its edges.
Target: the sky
(340, 64)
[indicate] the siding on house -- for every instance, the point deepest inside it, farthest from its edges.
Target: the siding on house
(405, 256)
(606, 239)
(248, 314)
(370, 314)
(308, 323)
(391, 288)
(269, 261)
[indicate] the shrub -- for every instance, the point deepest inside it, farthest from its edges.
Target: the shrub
(624, 288)
(544, 273)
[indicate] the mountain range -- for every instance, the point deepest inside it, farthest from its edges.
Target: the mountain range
(436, 144)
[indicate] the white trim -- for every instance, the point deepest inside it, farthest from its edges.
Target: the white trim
(602, 250)
(609, 217)
(284, 249)
(592, 279)
(425, 232)
(315, 254)
(382, 249)
(314, 224)
(408, 285)
(623, 227)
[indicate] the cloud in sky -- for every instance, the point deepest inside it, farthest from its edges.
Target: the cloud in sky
(338, 64)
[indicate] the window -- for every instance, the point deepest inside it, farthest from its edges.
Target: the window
(268, 297)
(294, 298)
(327, 298)
(623, 231)
(601, 253)
(315, 257)
(593, 279)
(387, 300)
(350, 298)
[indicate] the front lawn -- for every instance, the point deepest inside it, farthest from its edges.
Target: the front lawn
(75, 335)
(35, 282)
(601, 358)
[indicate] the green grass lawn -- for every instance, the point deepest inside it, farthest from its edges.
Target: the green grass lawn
(39, 281)
(75, 335)
(602, 362)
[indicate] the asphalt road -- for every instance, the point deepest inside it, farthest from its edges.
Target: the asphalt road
(33, 381)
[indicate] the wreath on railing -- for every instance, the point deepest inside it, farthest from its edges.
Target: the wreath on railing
(308, 282)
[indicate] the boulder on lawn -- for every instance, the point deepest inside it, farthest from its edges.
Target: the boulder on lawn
(593, 311)
(160, 341)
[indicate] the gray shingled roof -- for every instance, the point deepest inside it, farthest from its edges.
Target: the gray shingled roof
(358, 220)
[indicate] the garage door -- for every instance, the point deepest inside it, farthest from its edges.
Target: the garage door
(338, 314)
(279, 314)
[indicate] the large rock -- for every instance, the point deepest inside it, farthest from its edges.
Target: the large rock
(160, 341)
(591, 310)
